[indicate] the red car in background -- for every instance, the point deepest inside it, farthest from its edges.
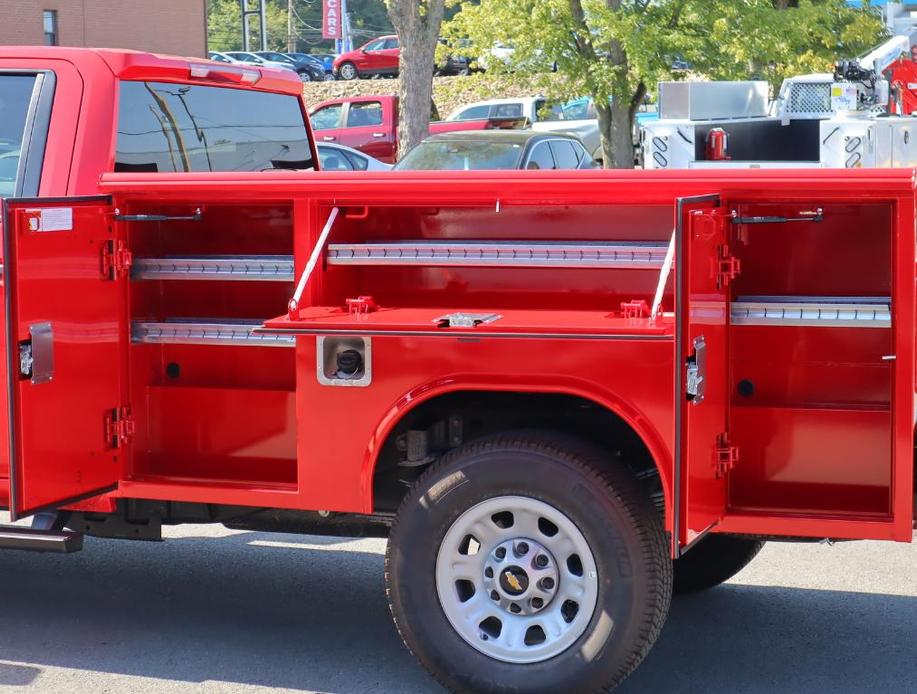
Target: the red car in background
(377, 57)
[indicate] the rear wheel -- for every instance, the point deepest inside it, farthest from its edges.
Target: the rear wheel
(305, 76)
(348, 71)
(527, 562)
(715, 559)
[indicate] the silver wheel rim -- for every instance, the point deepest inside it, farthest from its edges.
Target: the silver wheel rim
(305, 77)
(516, 579)
(348, 72)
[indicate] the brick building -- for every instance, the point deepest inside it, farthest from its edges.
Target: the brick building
(178, 27)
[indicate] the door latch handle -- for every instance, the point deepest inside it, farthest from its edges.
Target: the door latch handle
(329, 138)
(696, 372)
(378, 134)
(36, 355)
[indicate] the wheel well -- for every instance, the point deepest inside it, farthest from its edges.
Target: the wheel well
(437, 426)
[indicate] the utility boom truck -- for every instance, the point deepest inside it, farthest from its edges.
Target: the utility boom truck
(859, 116)
(552, 392)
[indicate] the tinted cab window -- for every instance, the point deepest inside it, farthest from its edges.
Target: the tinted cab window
(327, 117)
(180, 127)
(16, 94)
(364, 113)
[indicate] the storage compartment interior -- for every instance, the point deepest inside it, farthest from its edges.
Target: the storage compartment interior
(810, 336)
(214, 402)
(466, 258)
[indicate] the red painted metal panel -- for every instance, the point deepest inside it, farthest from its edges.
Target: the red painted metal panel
(73, 317)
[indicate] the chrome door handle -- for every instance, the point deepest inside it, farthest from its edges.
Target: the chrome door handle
(378, 134)
(329, 138)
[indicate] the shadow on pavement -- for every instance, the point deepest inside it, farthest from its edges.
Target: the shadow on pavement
(260, 609)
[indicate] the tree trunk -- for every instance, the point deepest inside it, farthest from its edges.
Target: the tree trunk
(417, 23)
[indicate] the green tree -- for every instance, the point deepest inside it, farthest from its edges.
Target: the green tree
(615, 50)
(224, 26)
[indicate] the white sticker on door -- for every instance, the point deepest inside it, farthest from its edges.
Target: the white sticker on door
(51, 219)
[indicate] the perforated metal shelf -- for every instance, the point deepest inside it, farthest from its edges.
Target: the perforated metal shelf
(252, 268)
(813, 311)
(634, 255)
(207, 332)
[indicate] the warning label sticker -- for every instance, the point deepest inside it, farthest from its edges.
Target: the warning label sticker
(51, 219)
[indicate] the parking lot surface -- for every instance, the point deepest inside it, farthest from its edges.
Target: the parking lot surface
(213, 610)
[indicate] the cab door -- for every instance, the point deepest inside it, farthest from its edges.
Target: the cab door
(702, 391)
(66, 325)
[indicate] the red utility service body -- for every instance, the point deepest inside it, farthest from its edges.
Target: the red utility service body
(370, 124)
(774, 395)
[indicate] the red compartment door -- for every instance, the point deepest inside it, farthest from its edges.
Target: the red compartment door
(66, 327)
(702, 390)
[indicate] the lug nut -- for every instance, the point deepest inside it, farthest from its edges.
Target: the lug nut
(547, 583)
(541, 561)
(500, 553)
(537, 603)
(522, 549)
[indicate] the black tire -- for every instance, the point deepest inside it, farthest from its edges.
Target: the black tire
(715, 559)
(606, 505)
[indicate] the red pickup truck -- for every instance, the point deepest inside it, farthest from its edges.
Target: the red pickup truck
(560, 395)
(370, 124)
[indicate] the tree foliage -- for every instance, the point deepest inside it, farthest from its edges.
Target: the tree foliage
(617, 50)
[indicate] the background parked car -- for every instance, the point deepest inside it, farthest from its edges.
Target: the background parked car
(308, 70)
(370, 124)
(324, 60)
(497, 149)
(247, 58)
(376, 57)
(332, 157)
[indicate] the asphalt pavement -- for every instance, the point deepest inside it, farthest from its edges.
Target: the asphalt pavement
(213, 610)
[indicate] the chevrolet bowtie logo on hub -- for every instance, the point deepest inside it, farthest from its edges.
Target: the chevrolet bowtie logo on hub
(514, 580)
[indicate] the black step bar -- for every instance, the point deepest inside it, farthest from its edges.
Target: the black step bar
(32, 540)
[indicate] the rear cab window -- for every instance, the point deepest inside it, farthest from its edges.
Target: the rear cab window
(25, 104)
(167, 127)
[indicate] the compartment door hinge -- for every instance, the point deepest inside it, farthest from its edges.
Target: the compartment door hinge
(728, 266)
(119, 426)
(726, 455)
(116, 259)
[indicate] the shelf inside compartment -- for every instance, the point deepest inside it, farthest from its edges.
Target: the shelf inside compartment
(207, 331)
(478, 253)
(812, 459)
(227, 435)
(250, 268)
(445, 321)
(812, 311)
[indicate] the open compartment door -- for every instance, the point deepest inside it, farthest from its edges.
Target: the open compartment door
(703, 271)
(66, 311)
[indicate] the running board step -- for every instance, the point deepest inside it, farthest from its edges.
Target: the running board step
(812, 311)
(204, 332)
(640, 255)
(29, 539)
(250, 268)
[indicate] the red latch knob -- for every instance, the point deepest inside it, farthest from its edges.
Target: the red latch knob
(362, 304)
(635, 309)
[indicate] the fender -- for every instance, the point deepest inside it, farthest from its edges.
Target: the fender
(640, 424)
